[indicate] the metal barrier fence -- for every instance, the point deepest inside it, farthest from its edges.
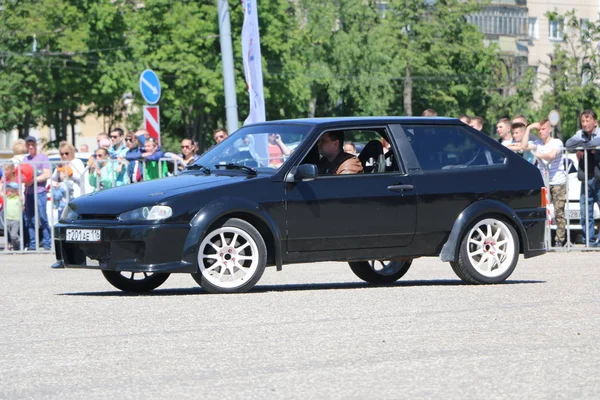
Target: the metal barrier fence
(579, 203)
(90, 180)
(48, 198)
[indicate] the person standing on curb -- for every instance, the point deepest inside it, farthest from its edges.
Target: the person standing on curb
(41, 166)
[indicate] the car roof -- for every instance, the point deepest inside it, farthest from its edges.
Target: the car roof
(362, 120)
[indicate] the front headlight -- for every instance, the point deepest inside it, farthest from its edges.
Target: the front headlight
(153, 213)
(69, 214)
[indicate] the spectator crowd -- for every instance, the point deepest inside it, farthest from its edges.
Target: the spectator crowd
(30, 182)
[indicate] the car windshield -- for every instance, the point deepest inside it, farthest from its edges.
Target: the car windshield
(263, 148)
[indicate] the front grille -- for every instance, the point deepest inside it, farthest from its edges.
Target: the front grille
(104, 217)
(76, 253)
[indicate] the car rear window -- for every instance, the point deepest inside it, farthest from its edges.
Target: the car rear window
(442, 147)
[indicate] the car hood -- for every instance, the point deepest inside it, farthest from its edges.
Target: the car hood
(129, 197)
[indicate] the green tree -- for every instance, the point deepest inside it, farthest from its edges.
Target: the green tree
(61, 57)
(179, 40)
(574, 72)
(441, 60)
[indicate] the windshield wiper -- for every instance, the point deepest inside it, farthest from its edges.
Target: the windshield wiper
(195, 167)
(248, 170)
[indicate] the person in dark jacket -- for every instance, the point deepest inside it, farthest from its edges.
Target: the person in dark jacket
(588, 138)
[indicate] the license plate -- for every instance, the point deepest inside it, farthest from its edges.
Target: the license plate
(573, 214)
(83, 235)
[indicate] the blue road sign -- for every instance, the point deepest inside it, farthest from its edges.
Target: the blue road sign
(150, 86)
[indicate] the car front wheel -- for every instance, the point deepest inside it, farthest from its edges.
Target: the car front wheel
(380, 271)
(231, 258)
(136, 282)
(488, 253)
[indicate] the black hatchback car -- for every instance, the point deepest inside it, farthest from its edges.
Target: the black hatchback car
(428, 187)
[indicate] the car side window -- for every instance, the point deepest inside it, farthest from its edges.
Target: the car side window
(440, 147)
(369, 145)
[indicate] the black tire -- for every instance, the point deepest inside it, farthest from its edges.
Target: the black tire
(224, 271)
(485, 259)
(390, 272)
(135, 282)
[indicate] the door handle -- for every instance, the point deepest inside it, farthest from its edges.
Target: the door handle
(399, 188)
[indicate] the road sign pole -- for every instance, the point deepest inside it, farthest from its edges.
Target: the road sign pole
(227, 58)
(152, 122)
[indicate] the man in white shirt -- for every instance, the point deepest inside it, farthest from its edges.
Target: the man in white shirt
(550, 160)
(503, 129)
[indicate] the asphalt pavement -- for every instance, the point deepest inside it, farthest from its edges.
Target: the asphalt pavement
(310, 331)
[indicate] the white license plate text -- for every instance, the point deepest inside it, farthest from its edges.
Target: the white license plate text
(83, 235)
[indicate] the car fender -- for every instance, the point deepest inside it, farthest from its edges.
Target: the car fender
(220, 208)
(450, 249)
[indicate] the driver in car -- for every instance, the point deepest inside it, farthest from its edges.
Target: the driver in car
(334, 160)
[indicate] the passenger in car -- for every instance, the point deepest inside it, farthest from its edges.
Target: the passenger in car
(334, 160)
(386, 145)
(350, 148)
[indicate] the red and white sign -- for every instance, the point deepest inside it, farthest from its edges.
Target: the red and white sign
(152, 122)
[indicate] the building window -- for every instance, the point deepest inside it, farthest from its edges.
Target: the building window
(382, 7)
(584, 27)
(555, 29)
(533, 28)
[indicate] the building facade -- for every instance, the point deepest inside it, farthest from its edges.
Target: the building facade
(526, 36)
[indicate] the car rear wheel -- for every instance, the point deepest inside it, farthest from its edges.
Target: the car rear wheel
(136, 282)
(488, 253)
(231, 258)
(380, 271)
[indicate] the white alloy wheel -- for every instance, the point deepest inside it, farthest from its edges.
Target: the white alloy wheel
(228, 258)
(491, 248)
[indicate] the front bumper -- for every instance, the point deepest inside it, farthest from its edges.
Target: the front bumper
(138, 248)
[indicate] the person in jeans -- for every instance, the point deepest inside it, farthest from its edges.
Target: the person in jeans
(551, 162)
(41, 166)
(588, 137)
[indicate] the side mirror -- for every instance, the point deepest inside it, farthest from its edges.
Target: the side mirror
(304, 172)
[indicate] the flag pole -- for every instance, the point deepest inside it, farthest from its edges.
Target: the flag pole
(227, 58)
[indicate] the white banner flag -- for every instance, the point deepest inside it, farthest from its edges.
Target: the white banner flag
(252, 62)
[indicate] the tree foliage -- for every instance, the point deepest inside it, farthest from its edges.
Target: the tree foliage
(61, 60)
